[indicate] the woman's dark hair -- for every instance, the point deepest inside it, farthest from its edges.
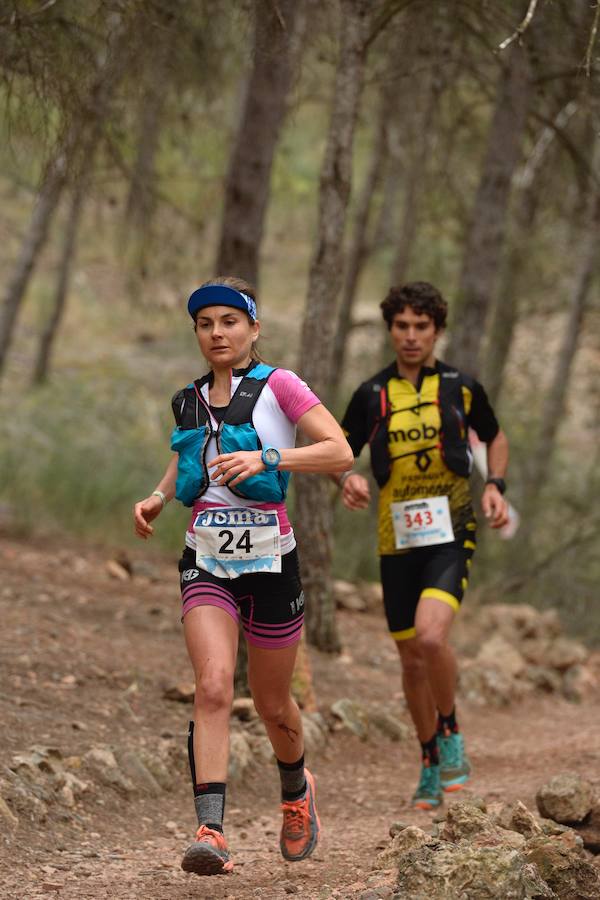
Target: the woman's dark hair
(238, 284)
(422, 298)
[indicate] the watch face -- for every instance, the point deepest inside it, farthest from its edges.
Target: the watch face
(272, 456)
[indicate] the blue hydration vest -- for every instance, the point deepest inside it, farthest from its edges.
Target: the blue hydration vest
(194, 430)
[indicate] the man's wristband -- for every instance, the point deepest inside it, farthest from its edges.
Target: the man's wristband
(162, 496)
(342, 478)
(498, 482)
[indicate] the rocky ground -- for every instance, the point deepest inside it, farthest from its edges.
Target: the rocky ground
(94, 793)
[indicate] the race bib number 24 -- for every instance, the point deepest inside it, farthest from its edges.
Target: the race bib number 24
(233, 541)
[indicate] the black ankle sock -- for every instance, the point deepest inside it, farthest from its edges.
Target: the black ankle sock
(447, 723)
(209, 800)
(430, 750)
(293, 782)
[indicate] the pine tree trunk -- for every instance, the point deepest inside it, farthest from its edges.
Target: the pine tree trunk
(359, 246)
(33, 243)
(485, 237)
(248, 181)
(71, 150)
(554, 403)
(506, 308)
(313, 502)
(48, 336)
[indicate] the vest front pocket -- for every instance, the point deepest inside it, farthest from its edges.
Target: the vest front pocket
(190, 444)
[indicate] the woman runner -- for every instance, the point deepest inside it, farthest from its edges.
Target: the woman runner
(234, 453)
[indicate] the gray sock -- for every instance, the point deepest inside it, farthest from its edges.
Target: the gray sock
(293, 780)
(209, 800)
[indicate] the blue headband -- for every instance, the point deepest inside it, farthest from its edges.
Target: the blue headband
(221, 295)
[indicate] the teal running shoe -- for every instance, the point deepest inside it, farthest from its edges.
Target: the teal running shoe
(455, 768)
(428, 794)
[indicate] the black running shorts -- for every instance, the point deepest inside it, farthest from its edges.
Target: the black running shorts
(270, 605)
(441, 571)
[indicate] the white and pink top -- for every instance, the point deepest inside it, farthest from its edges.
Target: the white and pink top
(282, 402)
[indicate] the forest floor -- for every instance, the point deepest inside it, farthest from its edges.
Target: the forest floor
(85, 660)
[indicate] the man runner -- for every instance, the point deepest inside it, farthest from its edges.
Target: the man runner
(415, 416)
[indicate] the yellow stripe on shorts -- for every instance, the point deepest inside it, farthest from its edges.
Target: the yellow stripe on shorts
(444, 596)
(404, 635)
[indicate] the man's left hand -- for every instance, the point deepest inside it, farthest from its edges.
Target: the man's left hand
(494, 506)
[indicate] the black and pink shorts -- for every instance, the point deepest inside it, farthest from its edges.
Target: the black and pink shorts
(270, 606)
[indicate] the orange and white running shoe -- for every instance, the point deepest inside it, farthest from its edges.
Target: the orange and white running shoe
(301, 826)
(208, 855)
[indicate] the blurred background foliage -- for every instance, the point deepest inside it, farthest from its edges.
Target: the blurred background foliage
(134, 109)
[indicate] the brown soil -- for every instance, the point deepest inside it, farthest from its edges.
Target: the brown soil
(85, 660)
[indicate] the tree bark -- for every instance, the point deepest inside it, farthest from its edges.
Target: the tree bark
(313, 503)
(506, 308)
(33, 242)
(248, 180)
(554, 403)
(48, 335)
(359, 246)
(64, 165)
(485, 238)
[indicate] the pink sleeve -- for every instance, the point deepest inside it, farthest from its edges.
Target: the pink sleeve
(293, 395)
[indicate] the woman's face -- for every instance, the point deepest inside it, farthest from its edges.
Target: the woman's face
(225, 336)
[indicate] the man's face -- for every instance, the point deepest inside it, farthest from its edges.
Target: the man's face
(413, 337)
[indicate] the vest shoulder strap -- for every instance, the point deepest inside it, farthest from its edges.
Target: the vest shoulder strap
(241, 405)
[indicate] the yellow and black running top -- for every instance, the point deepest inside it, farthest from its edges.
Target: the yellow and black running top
(418, 438)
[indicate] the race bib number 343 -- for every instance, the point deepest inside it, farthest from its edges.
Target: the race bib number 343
(237, 540)
(422, 523)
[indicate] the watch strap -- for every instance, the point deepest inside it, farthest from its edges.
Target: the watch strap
(498, 482)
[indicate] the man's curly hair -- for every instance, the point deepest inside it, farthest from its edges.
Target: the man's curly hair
(422, 298)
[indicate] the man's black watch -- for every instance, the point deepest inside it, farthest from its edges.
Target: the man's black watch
(499, 482)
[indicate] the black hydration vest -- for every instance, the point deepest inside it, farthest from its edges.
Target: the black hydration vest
(454, 442)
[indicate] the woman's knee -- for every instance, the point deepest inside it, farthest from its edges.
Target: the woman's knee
(214, 690)
(272, 709)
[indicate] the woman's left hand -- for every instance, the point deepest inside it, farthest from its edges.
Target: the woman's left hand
(231, 468)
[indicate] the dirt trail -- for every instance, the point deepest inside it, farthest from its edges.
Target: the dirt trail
(84, 662)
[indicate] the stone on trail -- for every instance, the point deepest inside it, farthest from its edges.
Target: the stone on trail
(516, 817)
(589, 831)
(181, 693)
(468, 823)
(543, 678)
(117, 570)
(444, 871)
(316, 733)
(8, 820)
(518, 621)
(564, 652)
(25, 799)
(353, 716)
(579, 684)
(103, 765)
(240, 755)
(348, 596)
(133, 767)
(158, 769)
(485, 684)
(389, 725)
(565, 798)
(243, 709)
(504, 656)
(410, 838)
(397, 827)
(568, 874)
